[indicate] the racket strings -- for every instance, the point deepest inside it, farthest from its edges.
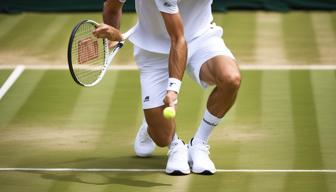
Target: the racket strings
(88, 54)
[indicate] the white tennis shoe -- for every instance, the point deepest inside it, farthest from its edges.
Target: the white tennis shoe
(177, 163)
(199, 159)
(144, 146)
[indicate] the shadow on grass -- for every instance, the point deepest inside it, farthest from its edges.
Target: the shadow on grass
(100, 178)
(123, 162)
(136, 179)
(103, 179)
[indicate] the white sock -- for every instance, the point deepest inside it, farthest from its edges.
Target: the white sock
(203, 132)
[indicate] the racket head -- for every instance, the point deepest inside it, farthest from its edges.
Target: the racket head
(87, 54)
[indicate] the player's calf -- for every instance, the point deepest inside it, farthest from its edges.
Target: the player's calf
(162, 140)
(160, 129)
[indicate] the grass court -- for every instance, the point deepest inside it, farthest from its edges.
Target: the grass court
(279, 136)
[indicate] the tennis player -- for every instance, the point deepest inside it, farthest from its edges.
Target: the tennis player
(173, 36)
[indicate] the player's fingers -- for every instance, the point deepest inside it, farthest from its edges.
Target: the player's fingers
(170, 99)
(97, 33)
(112, 44)
(167, 101)
(100, 31)
(173, 103)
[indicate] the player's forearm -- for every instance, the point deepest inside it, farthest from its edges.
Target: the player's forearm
(177, 58)
(178, 48)
(112, 13)
(177, 65)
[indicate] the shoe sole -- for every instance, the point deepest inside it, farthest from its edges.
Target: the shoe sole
(206, 172)
(203, 172)
(143, 155)
(177, 172)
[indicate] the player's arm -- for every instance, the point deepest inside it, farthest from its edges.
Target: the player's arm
(177, 56)
(178, 48)
(112, 12)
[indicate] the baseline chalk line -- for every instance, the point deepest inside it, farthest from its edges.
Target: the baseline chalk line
(11, 80)
(162, 170)
(245, 66)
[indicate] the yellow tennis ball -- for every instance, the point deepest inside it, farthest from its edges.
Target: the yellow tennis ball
(169, 112)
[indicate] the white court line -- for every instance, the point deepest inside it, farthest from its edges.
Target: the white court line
(288, 67)
(65, 67)
(162, 170)
(242, 66)
(11, 80)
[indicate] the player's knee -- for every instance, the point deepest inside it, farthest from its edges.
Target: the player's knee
(162, 138)
(163, 141)
(230, 81)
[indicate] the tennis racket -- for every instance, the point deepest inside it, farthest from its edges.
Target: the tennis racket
(89, 57)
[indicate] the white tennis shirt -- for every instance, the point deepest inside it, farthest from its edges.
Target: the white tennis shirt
(151, 34)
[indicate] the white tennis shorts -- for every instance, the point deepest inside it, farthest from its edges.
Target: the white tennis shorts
(153, 67)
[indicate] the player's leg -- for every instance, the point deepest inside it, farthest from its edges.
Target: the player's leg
(160, 129)
(212, 64)
(223, 72)
(154, 79)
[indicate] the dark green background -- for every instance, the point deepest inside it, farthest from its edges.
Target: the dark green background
(218, 5)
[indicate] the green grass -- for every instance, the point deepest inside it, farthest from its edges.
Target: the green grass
(41, 38)
(281, 120)
(299, 40)
(239, 33)
(333, 19)
(4, 74)
(144, 182)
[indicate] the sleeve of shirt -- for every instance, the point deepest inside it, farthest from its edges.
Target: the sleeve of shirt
(167, 6)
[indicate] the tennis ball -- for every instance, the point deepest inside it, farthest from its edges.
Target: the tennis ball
(169, 112)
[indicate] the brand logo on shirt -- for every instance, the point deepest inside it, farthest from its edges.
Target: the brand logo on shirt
(146, 99)
(167, 4)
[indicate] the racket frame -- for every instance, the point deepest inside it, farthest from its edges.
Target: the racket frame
(108, 55)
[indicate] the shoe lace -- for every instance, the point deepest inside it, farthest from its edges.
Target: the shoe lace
(203, 147)
(174, 148)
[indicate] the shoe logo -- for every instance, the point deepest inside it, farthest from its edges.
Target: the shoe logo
(209, 123)
(146, 99)
(167, 4)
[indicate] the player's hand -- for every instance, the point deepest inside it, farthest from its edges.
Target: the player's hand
(111, 44)
(107, 31)
(170, 99)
